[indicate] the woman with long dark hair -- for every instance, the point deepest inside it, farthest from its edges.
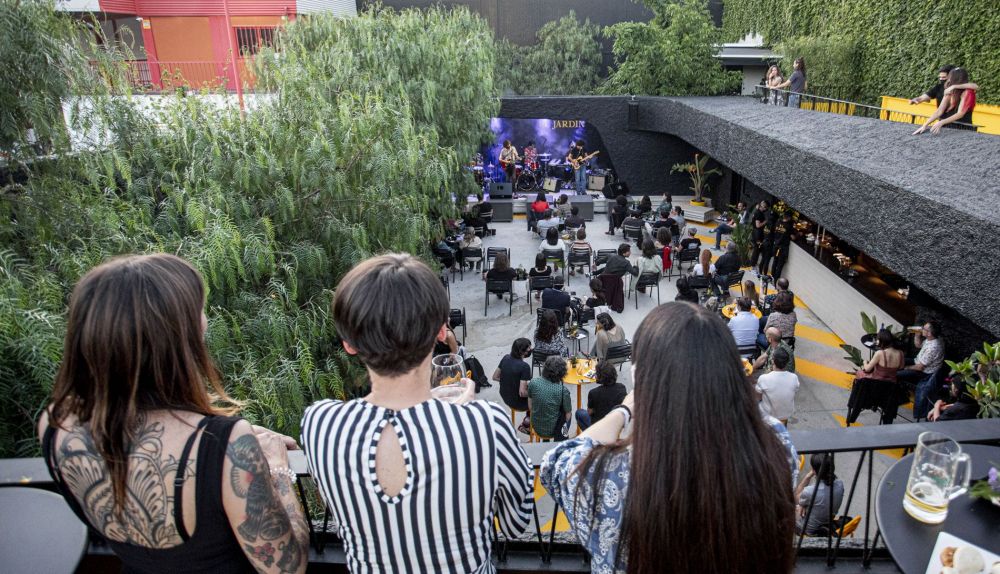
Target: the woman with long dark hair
(702, 483)
(817, 496)
(548, 337)
(138, 448)
(957, 104)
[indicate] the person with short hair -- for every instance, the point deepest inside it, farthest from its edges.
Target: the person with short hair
(677, 224)
(563, 208)
(603, 398)
(513, 374)
(959, 405)
(921, 373)
(472, 241)
(549, 400)
(727, 264)
(765, 362)
(691, 240)
(538, 208)
(574, 220)
(137, 446)
(666, 204)
(935, 92)
(618, 263)
(742, 215)
(548, 221)
(777, 388)
(617, 214)
(385, 464)
(558, 300)
(743, 325)
(822, 469)
(782, 316)
(634, 221)
(685, 292)
(781, 284)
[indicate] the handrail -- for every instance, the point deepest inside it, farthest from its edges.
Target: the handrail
(779, 97)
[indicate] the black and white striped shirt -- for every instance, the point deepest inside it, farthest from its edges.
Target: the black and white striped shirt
(458, 457)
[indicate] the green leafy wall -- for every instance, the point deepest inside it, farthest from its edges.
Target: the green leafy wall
(901, 43)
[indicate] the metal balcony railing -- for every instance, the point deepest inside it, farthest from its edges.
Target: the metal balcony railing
(816, 103)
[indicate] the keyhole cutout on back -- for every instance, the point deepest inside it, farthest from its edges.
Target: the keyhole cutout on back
(390, 465)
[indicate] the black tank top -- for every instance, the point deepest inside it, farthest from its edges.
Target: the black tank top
(213, 547)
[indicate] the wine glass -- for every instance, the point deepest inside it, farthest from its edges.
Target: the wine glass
(447, 371)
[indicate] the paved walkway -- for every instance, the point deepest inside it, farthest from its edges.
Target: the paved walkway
(821, 401)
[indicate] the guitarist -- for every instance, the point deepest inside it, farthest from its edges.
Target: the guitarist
(508, 159)
(578, 159)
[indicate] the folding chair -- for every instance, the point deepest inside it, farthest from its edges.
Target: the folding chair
(632, 232)
(579, 258)
(470, 255)
(648, 281)
(687, 256)
(491, 254)
(539, 283)
(456, 318)
(499, 287)
(601, 258)
(538, 359)
(619, 354)
(556, 256)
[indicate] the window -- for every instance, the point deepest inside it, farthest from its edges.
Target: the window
(249, 40)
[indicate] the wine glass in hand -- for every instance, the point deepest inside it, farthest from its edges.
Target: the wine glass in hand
(447, 372)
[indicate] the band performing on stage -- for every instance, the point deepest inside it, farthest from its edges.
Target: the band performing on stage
(534, 170)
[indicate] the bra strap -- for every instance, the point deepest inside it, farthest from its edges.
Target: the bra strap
(179, 481)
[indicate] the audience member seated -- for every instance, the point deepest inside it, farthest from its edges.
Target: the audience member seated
(774, 342)
(666, 204)
(727, 264)
(574, 221)
(782, 316)
(650, 262)
(608, 334)
(548, 221)
(645, 205)
(685, 292)
(924, 368)
(704, 265)
(777, 388)
(548, 335)
(563, 208)
(743, 215)
(447, 345)
(553, 242)
(780, 285)
(129, 403)
(664, 222)
(513, 374)
(826, 482)
(959, 406)
(664, 244)
(886, 361)
(471, 219)
(677, 224)
(618, 263)
(558, 300)
(618, 212)
(501, 270)
(648, 485)
(634, 221)
(472, 241)
(388, 311)
(581, 247)
(743, 325)
(596, 301)
(750, 292)
(690, 240)
(541, 269)
(445, 253)
(536, 210)
(607, 395)
(548, 400)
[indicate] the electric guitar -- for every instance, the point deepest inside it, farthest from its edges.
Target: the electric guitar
(576, 163)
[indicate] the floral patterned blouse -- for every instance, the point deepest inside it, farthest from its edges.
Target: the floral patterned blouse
(598, 531)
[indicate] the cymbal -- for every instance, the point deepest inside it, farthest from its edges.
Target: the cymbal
(544, 155)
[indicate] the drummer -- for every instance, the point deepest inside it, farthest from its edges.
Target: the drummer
(530, 156)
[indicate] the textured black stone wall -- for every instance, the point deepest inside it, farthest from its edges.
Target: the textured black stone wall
(927, 207)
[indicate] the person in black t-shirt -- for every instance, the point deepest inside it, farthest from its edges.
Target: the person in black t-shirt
(935, 92)
(601, 400)
(782, 235)
(513, 374)
(760, 230)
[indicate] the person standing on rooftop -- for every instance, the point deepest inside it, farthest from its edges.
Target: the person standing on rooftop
(410, 479)
(796, 83)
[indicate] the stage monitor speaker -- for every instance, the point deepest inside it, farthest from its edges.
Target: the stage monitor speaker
(613, 190)
(551, 184)
(596, 182)
(501, 190)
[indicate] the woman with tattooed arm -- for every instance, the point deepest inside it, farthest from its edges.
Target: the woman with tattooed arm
(137, 447)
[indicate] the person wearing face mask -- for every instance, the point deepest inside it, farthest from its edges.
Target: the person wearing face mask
(935, 92)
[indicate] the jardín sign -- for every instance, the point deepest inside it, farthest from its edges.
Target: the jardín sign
(567, 124)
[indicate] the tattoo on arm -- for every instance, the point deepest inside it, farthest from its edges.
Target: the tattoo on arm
(265, 521)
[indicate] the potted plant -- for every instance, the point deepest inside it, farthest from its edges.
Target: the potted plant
(981, 373)
(699, 176)
(870, 326)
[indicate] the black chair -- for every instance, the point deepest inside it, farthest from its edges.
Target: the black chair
(538, 283)
(647, 281)
(749, 352)
(701, 283)
(733, 279)
(538, 359)
(486, 215)
(688, 256)
(790, 341)
(470, 255)
(456, 318)
(491, 254)
(632, 232)
(444, 281)
(556, 256)
(446, 258)
(579, 258)
(601, 258)
(559, 316)
(499, 287)
(619, 354)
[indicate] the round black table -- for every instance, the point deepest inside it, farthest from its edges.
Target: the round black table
(910, 542)
(40, 532)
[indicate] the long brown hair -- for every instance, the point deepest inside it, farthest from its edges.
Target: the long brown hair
(706, 262)
(710, 486)
(134, 343)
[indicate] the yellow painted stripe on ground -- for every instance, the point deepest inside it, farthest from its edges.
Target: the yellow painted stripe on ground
(895, 453)
(798, 302)
(707, 241)
(539, 489)
(562, 523)
(822, 373)
(818, 336)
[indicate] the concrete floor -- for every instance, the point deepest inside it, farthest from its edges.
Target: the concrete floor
(821, 401)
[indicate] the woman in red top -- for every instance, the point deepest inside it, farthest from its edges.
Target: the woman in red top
(540, 204)
(959, 100)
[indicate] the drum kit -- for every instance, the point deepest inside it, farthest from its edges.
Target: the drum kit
(529, 175)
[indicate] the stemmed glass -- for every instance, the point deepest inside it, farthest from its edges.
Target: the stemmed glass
(447, 372)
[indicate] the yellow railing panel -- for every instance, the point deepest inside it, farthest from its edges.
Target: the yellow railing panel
(986, 116)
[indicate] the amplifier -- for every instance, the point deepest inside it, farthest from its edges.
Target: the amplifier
(613, 190)
(596, 182)
(551, 184)
(501, 190)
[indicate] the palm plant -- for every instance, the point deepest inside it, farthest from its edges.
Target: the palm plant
(699, 175)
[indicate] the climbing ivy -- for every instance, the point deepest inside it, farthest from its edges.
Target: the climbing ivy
(900, 44)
